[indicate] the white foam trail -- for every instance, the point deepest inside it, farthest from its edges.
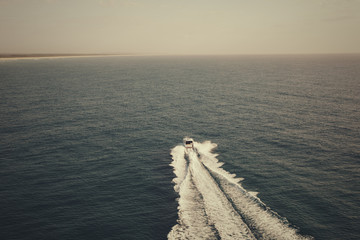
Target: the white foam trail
(180, 166)
(204, 211)
(192, 222)
(213, 204)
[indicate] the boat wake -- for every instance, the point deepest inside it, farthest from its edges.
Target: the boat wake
(214, 205)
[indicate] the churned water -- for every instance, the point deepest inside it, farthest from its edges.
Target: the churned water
(91, 148)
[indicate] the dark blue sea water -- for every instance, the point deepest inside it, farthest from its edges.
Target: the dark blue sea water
(85, 147)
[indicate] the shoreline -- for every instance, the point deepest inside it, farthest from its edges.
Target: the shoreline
(4, 57)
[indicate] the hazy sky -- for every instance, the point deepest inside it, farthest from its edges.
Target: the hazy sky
(180, 26)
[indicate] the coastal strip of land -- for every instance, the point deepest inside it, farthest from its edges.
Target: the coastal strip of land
(55, 55)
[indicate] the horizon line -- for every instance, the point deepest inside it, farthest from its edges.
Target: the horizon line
(54, 55)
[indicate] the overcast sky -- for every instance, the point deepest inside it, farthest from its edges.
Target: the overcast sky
(180, 26)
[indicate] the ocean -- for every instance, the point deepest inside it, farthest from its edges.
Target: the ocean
(92, 148)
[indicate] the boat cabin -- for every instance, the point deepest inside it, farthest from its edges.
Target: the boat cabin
(189, 144)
